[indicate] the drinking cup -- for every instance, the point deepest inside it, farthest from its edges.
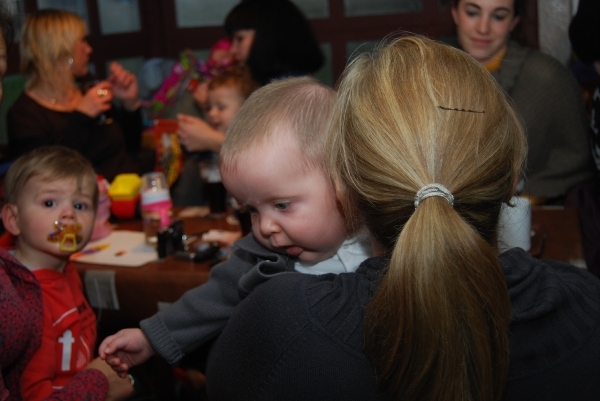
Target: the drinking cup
(514, 225)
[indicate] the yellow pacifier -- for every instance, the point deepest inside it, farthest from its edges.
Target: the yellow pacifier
(67, 235)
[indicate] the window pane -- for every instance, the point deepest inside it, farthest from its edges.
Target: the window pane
(17, 10)
(198, 13)
(325, 74)
(353, 49)
(77, 6)
(119, 16)
(353, 8)
(313, 8)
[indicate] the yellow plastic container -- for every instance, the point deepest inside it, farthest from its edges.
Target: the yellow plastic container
(124, 195)
(125, 187)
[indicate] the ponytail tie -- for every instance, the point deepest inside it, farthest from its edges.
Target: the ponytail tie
(430, 190)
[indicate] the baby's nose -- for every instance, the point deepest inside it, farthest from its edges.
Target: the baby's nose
(268, 226)
(67, 213)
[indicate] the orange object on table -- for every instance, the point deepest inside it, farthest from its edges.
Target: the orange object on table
(169, 158)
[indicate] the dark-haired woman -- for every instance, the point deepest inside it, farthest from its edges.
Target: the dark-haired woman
(274, 39)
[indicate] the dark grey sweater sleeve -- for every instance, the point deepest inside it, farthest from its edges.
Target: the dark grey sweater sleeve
(202, 312)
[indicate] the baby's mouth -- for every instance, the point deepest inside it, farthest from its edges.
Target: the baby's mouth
(67, 236)
(293, 250)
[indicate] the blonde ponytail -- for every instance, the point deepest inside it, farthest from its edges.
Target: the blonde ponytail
(441, 313)
(417, 112)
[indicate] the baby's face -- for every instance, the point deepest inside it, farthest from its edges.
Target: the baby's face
(44, 201)
(223, 104)
(294, 209)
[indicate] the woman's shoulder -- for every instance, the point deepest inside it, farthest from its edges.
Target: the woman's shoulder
(546, 284)
(555, 313)
(328, 301)
(26, 107)
(23, 102)
(538, 65)
(291, 329)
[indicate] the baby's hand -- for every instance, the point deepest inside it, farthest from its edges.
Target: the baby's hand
(126, 349)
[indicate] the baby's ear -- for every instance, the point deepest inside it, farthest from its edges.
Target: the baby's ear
(10, 218)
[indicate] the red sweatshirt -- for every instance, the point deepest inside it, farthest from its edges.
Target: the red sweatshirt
(68, 334)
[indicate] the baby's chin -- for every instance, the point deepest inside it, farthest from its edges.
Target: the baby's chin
(314, 257)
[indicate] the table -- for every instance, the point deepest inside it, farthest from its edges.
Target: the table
(141, 289)
(559, 232)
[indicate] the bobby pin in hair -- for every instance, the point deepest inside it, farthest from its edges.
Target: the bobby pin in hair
(465, 110)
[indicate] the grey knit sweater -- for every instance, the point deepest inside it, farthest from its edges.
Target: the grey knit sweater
(550, 103)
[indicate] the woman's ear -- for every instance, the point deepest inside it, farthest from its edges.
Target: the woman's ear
(513, 188)
(10, 218)
(514, 23)
(454, 12)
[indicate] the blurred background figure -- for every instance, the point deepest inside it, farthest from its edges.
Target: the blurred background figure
(274, 39)
(584, 33)
(226, 93)
(56, 108)
(544, 92)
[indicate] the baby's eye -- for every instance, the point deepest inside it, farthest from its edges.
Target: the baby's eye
(49, 203)
(80, 206)
(282, 206)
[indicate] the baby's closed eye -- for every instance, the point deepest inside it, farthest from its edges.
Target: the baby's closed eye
(283, 205)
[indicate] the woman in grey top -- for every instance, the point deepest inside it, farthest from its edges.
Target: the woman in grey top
(544, 92)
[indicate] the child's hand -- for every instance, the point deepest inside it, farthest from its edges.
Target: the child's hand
(119, 388)
(201, 95)
(126, 349)
(197, 135)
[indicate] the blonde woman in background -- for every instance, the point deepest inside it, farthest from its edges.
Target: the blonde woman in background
(424, 149)
(53, 110)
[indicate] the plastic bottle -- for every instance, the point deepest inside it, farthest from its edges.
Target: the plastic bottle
(156, 205)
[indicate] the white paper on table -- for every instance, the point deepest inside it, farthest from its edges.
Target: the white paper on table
(119, 248)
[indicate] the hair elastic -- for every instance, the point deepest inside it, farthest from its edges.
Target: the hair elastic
(430, 190)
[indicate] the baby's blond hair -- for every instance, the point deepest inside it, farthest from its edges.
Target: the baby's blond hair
(299, 106)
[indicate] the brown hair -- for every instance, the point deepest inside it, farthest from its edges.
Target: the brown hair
(518, 5)
(300, 105)
(412, 113)
(47, 42)
(237, 77)
(51, 162)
